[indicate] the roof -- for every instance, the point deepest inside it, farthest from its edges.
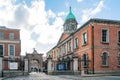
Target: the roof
(70, 15)
(63, 36)
(5, 28)
(95, 20)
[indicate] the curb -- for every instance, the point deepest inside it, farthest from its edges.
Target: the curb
(97, 75)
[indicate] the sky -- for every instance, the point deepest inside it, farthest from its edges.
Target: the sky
(41, 21)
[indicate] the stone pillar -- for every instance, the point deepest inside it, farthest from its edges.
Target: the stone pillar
(49, 65)
(26, 66)
(75, 65)
(1, 66)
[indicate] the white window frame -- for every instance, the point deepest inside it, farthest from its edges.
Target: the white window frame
(76, 45)
(69, 46)
(3, 49)
(1, 35)
(64, 48)
(107, 62)
(107, 37)
(83, 62)
(9, 49)
(11, 36)
(86, 38)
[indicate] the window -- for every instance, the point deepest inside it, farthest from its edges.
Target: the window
(118, 36)
(85, 60)
(11, 50)
(118, 59)
(104, 59)
(60, 51)
(76, 42)
(11, 36)
(69, 46)
(105, 37)
(1, 35)
(64, 49)
(84, 38)
(1, 50)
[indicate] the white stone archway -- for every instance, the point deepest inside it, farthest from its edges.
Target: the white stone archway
(34, 65)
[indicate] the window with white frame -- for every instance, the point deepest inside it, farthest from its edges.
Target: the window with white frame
(1, 50)
(69, 46)
(1, 35)
(118, 36)
(105, 36)
(64, 49)
(104, 59)
(11, 50)
(84, 38)
(11, 36)
(84, 60)
(76, 43)
(118, 59)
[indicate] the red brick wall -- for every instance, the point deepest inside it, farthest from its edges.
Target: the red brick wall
(5, 44)
(99, 47)
(86, 49)
(7, 31)
(111, 48)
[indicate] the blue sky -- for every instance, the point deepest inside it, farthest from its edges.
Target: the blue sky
(41, 21)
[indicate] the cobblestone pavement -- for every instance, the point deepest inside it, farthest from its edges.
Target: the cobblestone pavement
(42, 76)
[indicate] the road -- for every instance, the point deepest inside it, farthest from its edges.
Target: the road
(43, 76)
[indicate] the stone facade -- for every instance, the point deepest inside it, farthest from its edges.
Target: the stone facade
(35, 61)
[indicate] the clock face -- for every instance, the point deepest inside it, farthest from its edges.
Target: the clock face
(71, 22)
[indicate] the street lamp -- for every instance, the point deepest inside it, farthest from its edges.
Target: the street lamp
(2, 65)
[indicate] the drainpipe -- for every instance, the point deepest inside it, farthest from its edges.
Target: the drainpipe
(93, 49)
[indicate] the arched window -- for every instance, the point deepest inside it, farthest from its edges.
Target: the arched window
(118, 59)
(104, 59)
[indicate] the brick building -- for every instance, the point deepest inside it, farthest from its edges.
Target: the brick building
(96, 44)
(10, 47)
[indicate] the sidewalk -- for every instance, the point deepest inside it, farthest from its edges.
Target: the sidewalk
(1, 78)
(97, 75)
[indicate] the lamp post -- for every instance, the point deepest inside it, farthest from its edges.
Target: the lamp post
(2, 60)
(1, 65)
(22, 64)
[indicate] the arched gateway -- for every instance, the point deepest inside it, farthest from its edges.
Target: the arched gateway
(35, 61)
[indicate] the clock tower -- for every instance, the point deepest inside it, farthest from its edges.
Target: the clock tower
(70, 24)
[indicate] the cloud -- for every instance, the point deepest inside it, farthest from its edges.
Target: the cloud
(88, 13)
(79, 0)
(33, 22)
(62, 14)
(21, 15)
(37, 12)
(6, 14)
(27, 43)
(51, 14)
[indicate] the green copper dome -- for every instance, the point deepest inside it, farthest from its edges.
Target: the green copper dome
(70, 15)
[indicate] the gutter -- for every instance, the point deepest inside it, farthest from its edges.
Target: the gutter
(93, 50)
